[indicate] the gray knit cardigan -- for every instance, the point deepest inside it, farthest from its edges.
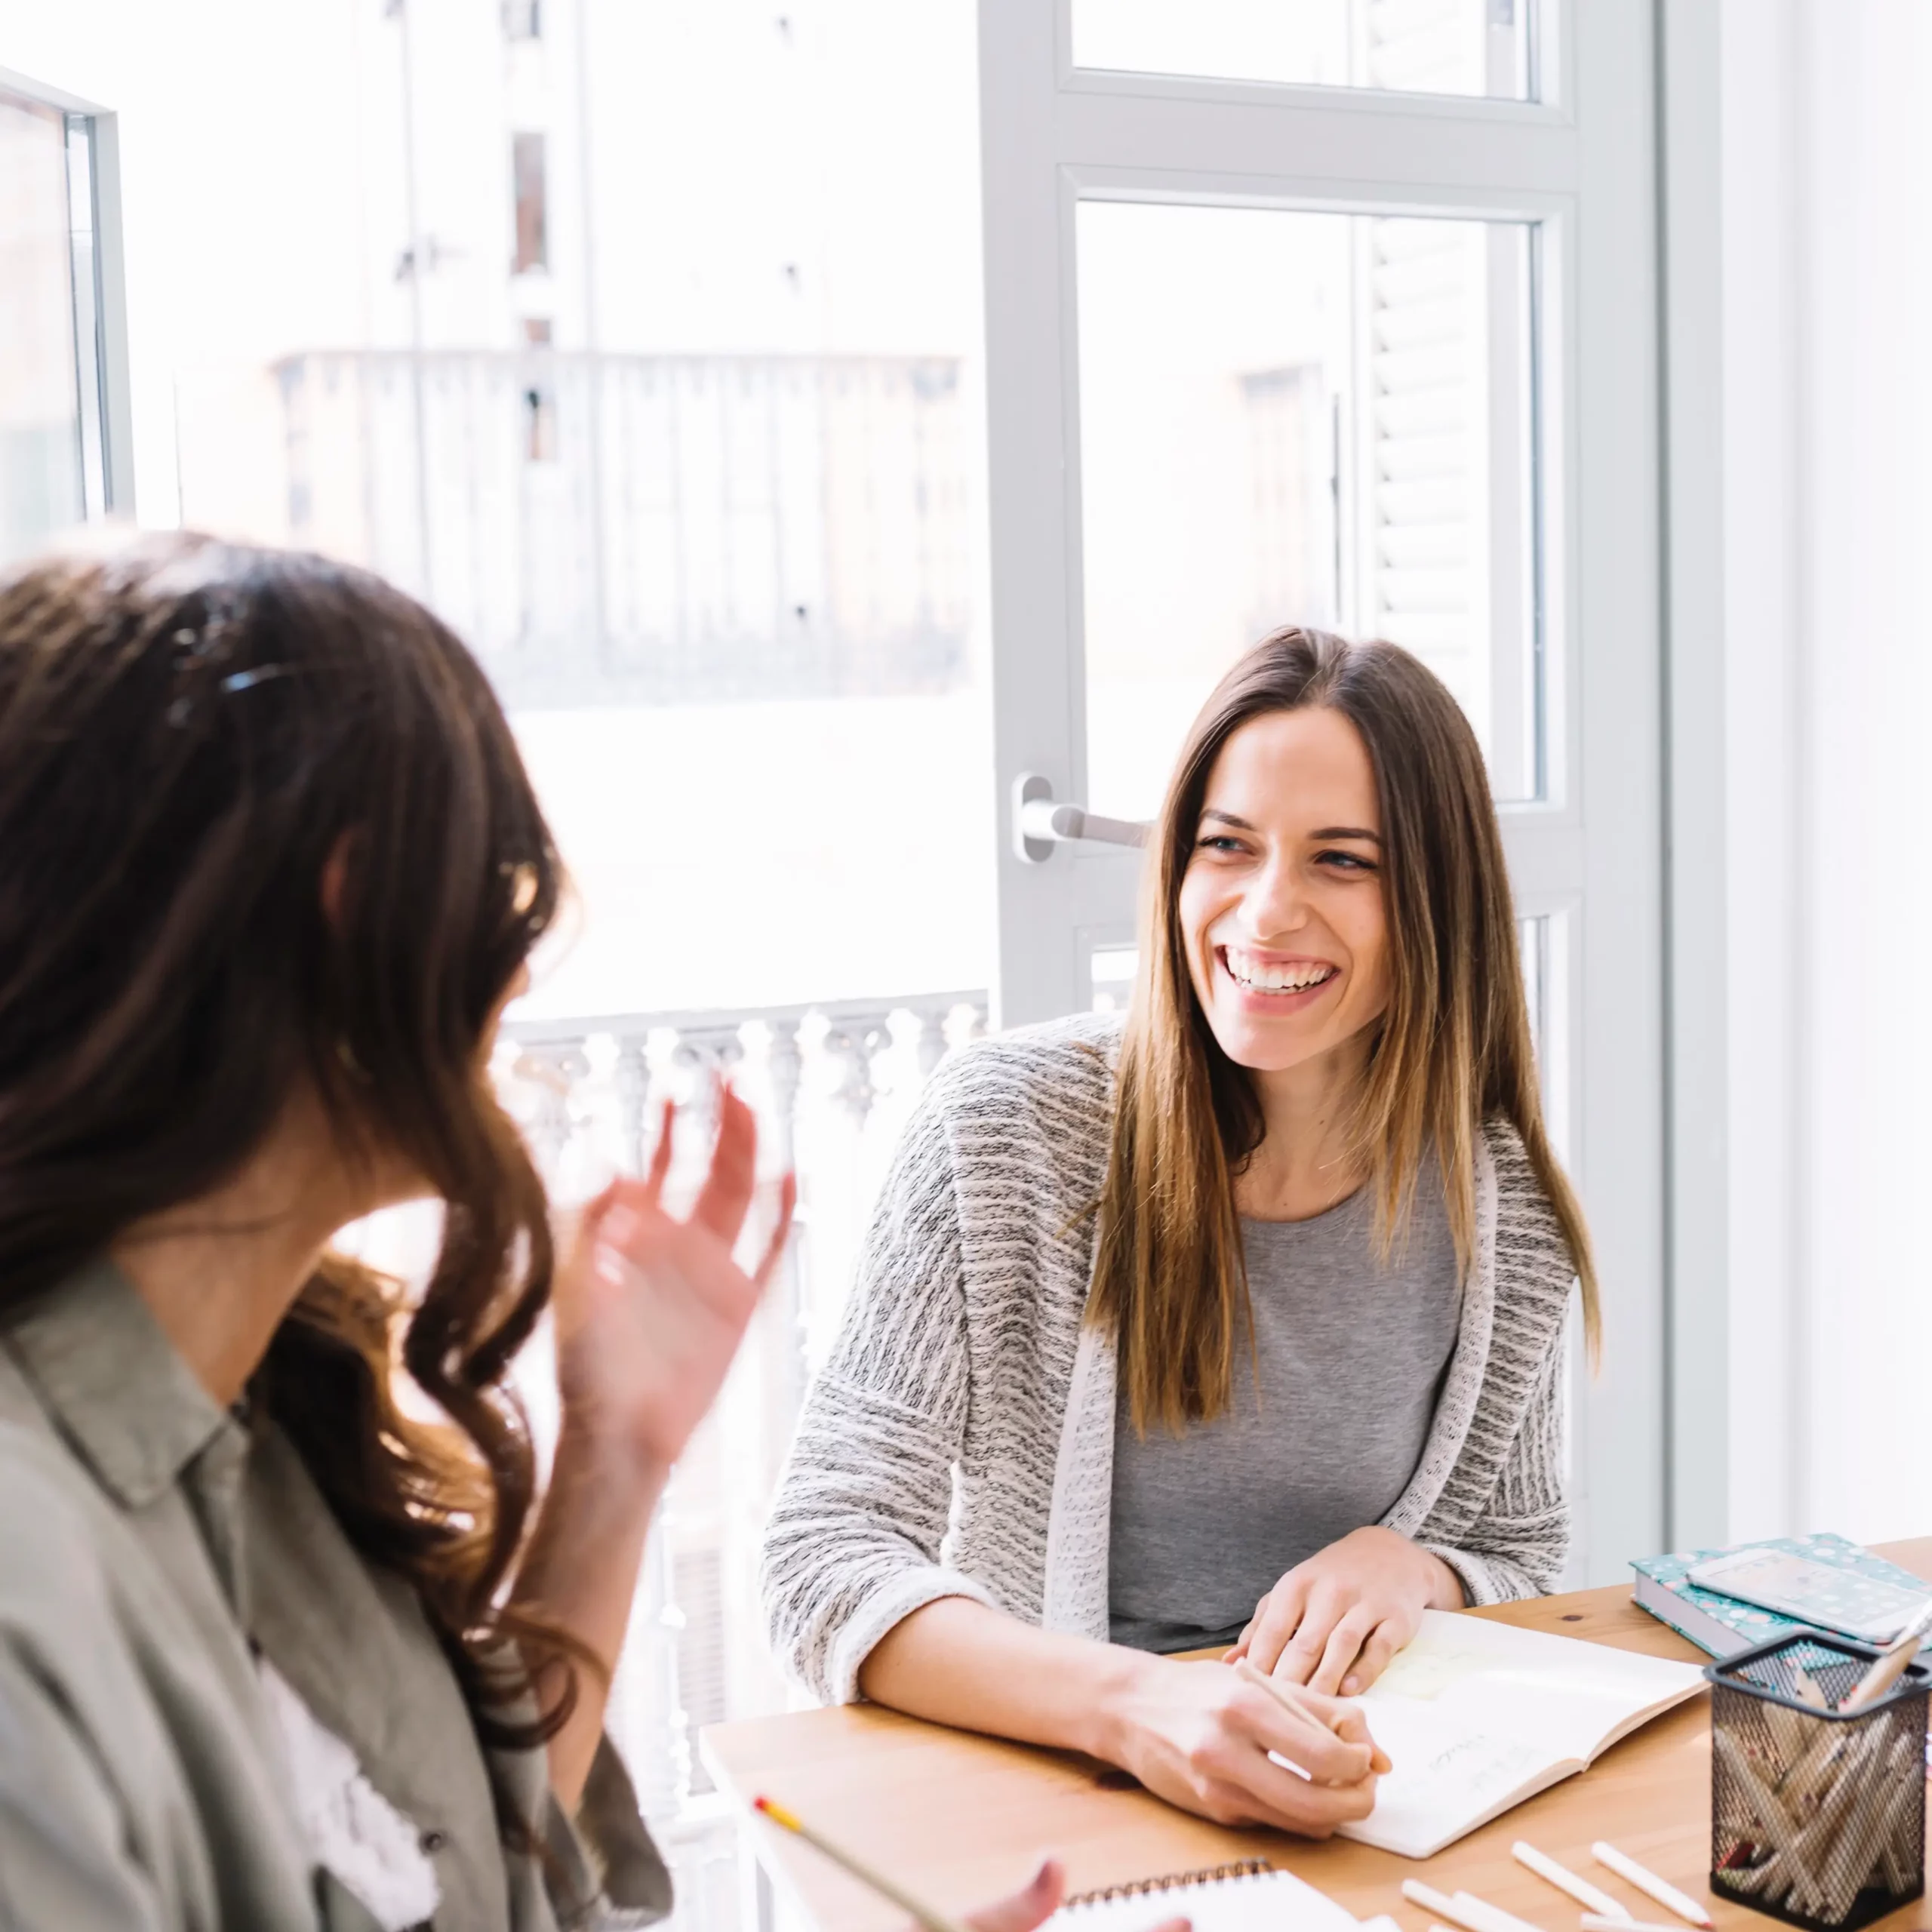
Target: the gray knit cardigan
(959, 1440)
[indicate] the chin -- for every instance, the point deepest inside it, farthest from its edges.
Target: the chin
(1265, 1046)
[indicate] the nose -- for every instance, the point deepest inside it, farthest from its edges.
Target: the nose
(1275, 905)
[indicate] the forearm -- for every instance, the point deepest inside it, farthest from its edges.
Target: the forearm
(580, 1576)
(957, 1662)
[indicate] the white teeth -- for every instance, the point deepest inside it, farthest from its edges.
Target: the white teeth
(1264, 976)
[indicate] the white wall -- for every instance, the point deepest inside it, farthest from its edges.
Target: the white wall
(1826, 272)
(1864, 861)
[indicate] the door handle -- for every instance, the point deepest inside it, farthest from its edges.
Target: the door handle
(1040, 823)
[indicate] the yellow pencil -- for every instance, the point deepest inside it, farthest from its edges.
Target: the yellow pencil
(933, 1921)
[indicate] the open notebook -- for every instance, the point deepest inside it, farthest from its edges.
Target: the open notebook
(1248, 1897)
(1478, 1716)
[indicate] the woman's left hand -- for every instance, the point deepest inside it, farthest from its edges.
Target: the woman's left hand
(1335, 1622)
(651, 1308)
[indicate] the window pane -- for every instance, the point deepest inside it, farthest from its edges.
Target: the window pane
(1302, 418)
(656, 379)
(40, 431)
(1464, 47)
(1544, 943)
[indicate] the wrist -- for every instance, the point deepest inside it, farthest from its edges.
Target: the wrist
(1111, 1714)
(592, 1458)
(1445, 1591)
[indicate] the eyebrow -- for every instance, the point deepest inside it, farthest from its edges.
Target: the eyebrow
(1327, 831)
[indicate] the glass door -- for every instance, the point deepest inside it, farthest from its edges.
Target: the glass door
(1310, 344)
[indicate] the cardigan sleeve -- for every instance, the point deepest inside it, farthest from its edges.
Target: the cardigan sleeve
(1518, 1543)
(853, 1544)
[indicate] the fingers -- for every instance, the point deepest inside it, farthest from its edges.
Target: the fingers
(1304, 1739)
(1273, 1622)
(1257, 1790)
(1036, 1901)
(1348, 1723)
(727, 1192)
(1300, 1653)
(660, 1154)
(1384, 1641)
(1340, 1653)
(775, 1249)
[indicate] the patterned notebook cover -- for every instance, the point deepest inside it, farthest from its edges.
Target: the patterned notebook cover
(1752, 1624)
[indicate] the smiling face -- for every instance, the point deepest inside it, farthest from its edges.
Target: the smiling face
(1282, 907)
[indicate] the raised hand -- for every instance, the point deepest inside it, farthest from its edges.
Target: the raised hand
(650, 1309)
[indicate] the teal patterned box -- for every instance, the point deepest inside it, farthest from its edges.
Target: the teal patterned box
(1722, 1625)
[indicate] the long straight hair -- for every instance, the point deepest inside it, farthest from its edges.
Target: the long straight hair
(189, 732)
(1451, 1051)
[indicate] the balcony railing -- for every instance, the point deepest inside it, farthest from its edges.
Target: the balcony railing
(832, 1084)
(652, 529)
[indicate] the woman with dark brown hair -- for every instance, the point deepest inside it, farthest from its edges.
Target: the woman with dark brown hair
(1240, 1325)
(287, 1639)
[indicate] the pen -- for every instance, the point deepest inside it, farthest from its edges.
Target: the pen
(1645, 1880)
(1464, 1909)
(1586, 1894)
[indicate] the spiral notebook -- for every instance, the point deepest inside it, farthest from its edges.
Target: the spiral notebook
(1250, 1896)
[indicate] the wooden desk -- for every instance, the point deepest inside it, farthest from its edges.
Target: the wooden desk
(962, 1819)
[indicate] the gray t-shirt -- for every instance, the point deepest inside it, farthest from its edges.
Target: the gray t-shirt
(1351, 1355)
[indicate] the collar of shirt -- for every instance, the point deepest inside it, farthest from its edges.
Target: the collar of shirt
(115, 1384)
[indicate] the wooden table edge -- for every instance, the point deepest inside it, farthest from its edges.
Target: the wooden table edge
(1608, 1615)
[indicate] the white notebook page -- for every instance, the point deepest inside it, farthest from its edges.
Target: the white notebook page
(1478, 1716)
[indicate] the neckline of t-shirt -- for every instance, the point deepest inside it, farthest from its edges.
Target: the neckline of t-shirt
(1342, 1207)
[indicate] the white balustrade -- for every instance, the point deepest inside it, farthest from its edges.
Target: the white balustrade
(831, 1085)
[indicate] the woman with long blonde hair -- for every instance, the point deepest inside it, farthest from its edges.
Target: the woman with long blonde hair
(1241, 1324)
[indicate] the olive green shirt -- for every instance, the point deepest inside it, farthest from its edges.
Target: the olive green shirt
(151, 1548)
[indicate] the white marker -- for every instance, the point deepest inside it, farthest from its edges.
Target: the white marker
(1586, 1895)
(1667, 1896)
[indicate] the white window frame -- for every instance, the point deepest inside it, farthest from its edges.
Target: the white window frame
(107, 466)
(1587, 855)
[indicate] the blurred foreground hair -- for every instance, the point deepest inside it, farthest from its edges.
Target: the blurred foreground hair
(1452, 1051)
(189, 730)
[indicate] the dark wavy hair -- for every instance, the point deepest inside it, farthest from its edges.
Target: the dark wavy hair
(189, 730)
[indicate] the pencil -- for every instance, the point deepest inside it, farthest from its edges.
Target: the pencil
(887, 1888)
(1891, 1665)
(1380, 1763)
(1645, 1880)
(1586, 1894)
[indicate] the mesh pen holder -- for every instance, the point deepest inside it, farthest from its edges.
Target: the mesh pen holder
(1817, 1817)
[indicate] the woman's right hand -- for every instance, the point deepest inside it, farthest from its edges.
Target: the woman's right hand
(1198, 1735)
